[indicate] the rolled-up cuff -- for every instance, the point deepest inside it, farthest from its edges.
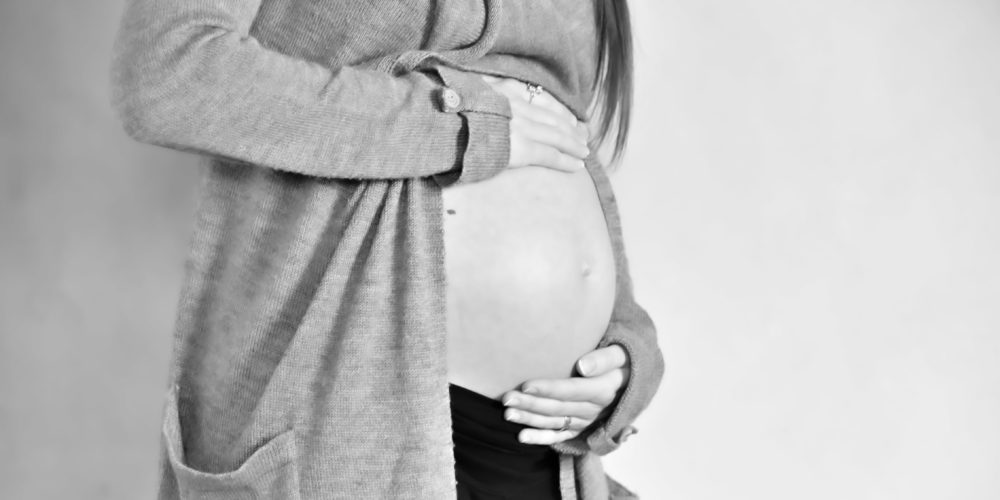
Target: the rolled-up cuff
(646, 370)
(486, 134)
(476, 94)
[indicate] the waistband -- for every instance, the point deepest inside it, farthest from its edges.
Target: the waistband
(481, 419)
(488, 455)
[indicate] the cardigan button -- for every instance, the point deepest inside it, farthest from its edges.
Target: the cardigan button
(450, 99)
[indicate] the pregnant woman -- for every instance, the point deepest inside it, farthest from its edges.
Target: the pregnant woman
(406, 278)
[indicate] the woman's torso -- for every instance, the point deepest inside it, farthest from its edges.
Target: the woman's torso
(530, 275)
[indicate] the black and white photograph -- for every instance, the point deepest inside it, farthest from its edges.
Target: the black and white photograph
(499, 250)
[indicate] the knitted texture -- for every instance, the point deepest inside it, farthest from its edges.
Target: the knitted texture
(309, 355)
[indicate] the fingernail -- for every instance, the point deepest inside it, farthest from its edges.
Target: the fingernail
(582, 367)
(524, 439)
(512, 415)
(510, 401)
(531, 390)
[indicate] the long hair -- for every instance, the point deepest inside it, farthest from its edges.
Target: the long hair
(613, 82)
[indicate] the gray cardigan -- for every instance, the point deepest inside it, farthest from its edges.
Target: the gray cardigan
(309, 353)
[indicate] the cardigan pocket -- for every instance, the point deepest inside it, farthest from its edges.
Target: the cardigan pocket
(269, 472)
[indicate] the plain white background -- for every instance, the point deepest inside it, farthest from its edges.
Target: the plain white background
(812, 208)
(811, 205)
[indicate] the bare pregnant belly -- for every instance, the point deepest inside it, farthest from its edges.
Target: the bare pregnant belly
(531, 277)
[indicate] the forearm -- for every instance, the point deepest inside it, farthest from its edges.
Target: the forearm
(646, 368)
(631, 328)
(637, 336)
(187, 74)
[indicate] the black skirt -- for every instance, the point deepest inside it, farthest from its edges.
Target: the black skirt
(490, 463)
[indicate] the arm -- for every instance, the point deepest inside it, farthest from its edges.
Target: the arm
(186, 74)
(632, 329)
(594, 411)
(621, 376)
(638, 337)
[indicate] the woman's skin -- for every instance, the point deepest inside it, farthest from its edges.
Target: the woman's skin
(545, 133)
(543, 403)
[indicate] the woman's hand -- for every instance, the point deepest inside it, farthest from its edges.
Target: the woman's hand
(544, 404)
(543, 132)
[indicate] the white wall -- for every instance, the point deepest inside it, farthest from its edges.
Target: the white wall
(823, 260)
(92, 236)
(812, 209)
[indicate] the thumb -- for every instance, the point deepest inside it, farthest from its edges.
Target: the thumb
(601, 361)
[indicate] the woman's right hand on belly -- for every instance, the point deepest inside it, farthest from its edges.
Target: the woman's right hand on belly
(543, 132)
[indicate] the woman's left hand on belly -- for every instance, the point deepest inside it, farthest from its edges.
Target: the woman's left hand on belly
(544, 404)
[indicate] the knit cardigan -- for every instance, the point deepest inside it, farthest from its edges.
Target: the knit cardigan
(309, 354)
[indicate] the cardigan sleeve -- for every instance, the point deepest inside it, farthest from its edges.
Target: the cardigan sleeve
(632, 329)
(638, 337)
(187, 74)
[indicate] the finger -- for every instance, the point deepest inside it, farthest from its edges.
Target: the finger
(599, 389)
(559, 116)
(545, 108)
(583, 129)
(584, 409)
(547, 101)
(547, 156)
(524, 151)
(554, 136)
(546, 116)
(565, 389)
(579, 129)
(545, 436)
(546, 421)
(603, 360)
(517, 90)
(539, 114)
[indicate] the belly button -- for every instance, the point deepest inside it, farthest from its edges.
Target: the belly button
(586, 271)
